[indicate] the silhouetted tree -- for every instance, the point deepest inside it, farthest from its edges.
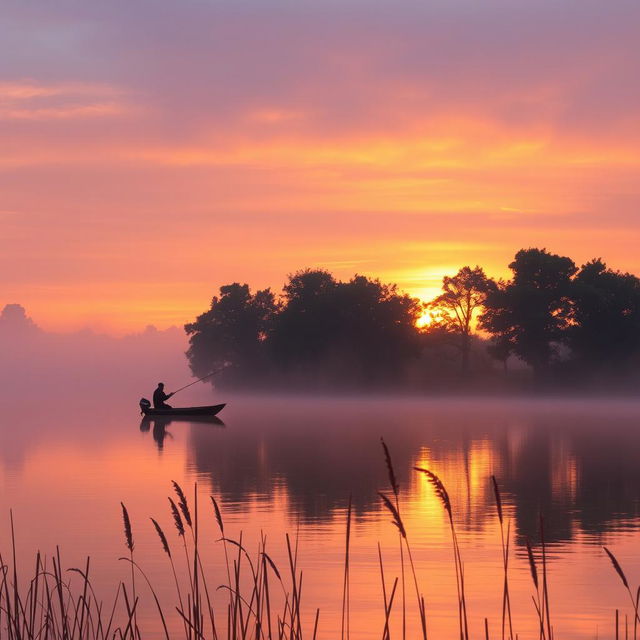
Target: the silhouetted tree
(308, 319)
(606, 317)
(327, 332)
(233, 332)
(377, 326)
(361, 329)
(529, 314)
(499, 348)
(463, 295)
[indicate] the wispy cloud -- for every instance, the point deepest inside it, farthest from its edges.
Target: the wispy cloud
(27, 100)
(206, 142)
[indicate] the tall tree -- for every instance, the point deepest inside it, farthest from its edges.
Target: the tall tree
(606, 317)
(376, 326)
(463, 295)
(356, 331)
(529, 315)
(232, 332)
(306, 323)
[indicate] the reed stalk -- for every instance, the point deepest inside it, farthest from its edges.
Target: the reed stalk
(506, 600)
(128, 534)
(634, 601)
(397, 521)
(58, 604)
(441, 492)
(537, 602)
(344, 632)
(545, 587)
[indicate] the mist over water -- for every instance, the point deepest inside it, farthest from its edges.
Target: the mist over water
(73, 445)
(40, 367)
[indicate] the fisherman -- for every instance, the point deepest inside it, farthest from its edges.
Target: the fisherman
(159, 397)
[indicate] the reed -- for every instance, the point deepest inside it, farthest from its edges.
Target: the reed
(128, 537)
(260, 600)
(182, 502)
(394, 509)
(634, 601)
(442, 494)
(167, 549)
(506, 600)
(537, 602)
(219, 520)
(345, 584)
(54, 607)
(545, 584)
(395, 488)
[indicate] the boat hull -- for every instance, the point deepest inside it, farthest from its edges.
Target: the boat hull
(185, 411)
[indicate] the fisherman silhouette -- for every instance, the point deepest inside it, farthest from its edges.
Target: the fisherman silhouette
(159, 397)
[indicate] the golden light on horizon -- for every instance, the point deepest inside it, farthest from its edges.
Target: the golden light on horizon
(154, 179)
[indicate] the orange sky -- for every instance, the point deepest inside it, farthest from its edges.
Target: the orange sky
(151, 153)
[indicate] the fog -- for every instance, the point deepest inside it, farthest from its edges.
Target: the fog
(550, 453)
(39, 365)
(87, 368)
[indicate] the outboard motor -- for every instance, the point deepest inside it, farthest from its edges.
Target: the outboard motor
(145, 405)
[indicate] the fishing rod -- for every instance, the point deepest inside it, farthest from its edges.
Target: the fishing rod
(213, 373)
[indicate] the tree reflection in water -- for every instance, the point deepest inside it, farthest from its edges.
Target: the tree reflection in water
(575, 463)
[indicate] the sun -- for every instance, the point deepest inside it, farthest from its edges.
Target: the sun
(426, 319)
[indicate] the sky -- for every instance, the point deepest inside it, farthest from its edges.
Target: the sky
(153, 151)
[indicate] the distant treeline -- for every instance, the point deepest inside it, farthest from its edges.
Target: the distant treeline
(551, 323)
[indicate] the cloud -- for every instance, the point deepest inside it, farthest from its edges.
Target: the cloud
(191, 143)
(31, 101)
(350, 65)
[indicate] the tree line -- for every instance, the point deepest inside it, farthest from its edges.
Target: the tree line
(551, 321)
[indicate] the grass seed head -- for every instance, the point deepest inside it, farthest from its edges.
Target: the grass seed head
(392, 476)
(128, 534)
(182, 502)
(397, 520)
(216, 508)
(176, 517)
(439, 487)
(617, 567)
(532, 564)
(496, 493)
(163, 538)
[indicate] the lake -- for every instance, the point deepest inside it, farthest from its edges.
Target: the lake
(286, 464)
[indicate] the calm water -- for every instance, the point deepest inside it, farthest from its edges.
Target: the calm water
(281, 464)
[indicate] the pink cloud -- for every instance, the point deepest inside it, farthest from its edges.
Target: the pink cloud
(195, 143)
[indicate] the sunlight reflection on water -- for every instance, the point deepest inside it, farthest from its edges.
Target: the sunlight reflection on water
(284, 464)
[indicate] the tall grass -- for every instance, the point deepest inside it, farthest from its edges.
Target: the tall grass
(634, 600)
(344, 631)
(253, 598)
(441, 492)
(504, 543)
(394, 509)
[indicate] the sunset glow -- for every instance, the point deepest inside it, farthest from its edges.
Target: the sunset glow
(340, 289)
(140, 170)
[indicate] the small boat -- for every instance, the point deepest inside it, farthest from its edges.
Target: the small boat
(211, 410)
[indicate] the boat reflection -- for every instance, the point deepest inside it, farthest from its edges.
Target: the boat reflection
(158, 425)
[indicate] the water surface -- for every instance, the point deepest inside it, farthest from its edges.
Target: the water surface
(290, 464)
